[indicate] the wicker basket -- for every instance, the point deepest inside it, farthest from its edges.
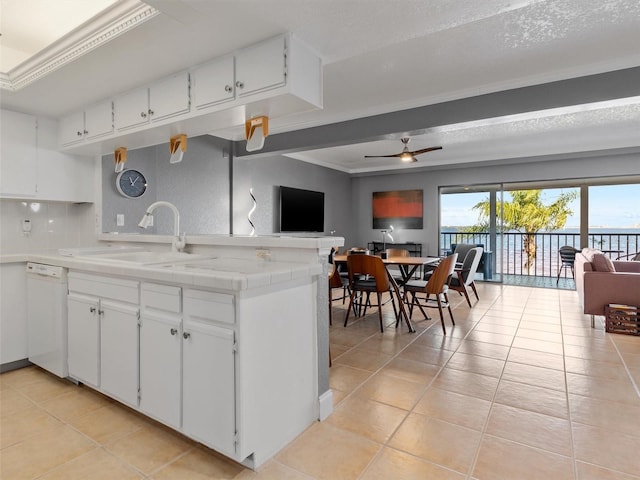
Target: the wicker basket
(622, 319)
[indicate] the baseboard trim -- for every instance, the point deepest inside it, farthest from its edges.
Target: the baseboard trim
(15, 365)
(326, 405)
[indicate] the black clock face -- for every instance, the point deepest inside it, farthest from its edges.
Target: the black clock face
(131, 183)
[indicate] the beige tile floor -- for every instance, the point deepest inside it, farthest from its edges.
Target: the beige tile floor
(520, 388)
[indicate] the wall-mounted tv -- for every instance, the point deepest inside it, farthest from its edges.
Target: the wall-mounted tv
(301, 210)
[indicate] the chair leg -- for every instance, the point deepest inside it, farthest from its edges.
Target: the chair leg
(446, 299)
(380, 311)
(330, 311)
(473, 286)
(593, 321)
(346, 317)
(444, 330)
(466, 294)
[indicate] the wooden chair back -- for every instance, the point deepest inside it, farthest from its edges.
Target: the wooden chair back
(397, 252)
(334, 278)
(370, 265)
(441, 274)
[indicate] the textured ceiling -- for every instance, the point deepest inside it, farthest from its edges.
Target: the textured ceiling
(382, 56)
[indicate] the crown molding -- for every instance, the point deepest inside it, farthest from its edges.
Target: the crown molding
(114, 21)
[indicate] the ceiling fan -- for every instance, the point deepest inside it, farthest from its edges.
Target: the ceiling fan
(406, 155)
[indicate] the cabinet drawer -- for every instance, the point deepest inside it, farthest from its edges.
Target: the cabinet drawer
(104, 287)
(209, 306)
(160, 297)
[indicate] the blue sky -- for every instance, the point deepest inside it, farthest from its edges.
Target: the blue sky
(615, 206)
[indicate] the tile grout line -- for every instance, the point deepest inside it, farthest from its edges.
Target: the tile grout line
(483, 432)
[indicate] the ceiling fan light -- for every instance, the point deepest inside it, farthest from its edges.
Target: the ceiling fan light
(407, 157)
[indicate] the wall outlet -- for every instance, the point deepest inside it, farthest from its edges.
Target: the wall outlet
(120, 220)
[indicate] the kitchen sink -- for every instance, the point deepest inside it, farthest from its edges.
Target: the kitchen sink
(145, 258)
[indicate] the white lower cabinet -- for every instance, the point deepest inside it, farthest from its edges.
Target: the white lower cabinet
(161, 353)
(232, 371)
(103, 334)
(119, 351)
(84, 338)
(187, 363)
(209, 386)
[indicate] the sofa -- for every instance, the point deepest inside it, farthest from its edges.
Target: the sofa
(601, 281)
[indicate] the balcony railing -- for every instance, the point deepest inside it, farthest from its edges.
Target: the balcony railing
(547, 260)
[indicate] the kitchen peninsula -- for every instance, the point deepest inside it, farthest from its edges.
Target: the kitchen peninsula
(226, 344)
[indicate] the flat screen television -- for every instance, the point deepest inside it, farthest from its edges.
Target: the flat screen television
(301, 210)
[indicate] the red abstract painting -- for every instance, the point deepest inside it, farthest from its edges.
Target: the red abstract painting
(400, 208)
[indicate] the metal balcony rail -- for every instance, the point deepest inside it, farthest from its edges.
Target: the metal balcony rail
(510, 245)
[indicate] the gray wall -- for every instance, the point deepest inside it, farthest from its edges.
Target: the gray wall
(579, 167)
(198, 186)
(265, 175)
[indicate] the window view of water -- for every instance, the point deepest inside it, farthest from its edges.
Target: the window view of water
(615, 229)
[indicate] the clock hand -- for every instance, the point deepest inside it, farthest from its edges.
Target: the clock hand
(134, 182)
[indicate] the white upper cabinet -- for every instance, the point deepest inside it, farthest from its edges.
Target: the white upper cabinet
(261, 67)
(131, 109)
(98, 120)
(169, 97)
(72, 128)
(276, 77)
(62, 176)
(94, 122)
(18, 155)
(213, 83)
(163, 99)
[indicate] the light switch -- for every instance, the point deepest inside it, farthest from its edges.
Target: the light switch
(120, 220)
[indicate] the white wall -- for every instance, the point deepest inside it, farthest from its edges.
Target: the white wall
(53, 225)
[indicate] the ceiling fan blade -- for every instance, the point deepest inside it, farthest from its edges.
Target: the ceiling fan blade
(395, 155)
(425, 150)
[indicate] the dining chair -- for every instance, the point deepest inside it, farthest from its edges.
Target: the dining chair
(368, 274)
(397, 252)
(464, 276)
(436, 285)
(336, 281)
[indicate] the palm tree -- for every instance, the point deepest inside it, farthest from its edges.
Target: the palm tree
(526, 213)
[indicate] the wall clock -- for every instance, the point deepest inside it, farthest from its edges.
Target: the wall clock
(131, 183)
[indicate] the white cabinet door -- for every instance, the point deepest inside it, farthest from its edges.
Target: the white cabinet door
(61, 176)
(98, 120)
(213, 83)
(261, 67)
(72, 128)
(131, 109)
(84, 338)
(161, 367)
(169, 97)
(119, 351)
(209, 385)
(18, 157)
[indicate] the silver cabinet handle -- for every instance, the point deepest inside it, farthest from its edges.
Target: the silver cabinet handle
(100, 312)
(150, 112)
(239, 84)
(86, 132)
(143, 114)
(92, 309)
(186, 335)
(228, 88)
(79, 133)
(174, 331)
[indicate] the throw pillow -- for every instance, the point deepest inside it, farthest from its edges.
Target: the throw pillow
(602, 263)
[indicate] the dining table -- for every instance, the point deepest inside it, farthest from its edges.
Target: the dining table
(407, 267)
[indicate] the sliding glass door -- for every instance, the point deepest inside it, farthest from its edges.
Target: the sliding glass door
(470, 214)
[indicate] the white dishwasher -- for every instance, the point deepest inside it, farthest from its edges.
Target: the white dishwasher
(47, 317)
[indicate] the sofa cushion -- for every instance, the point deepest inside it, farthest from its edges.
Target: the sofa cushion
(598, 260)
